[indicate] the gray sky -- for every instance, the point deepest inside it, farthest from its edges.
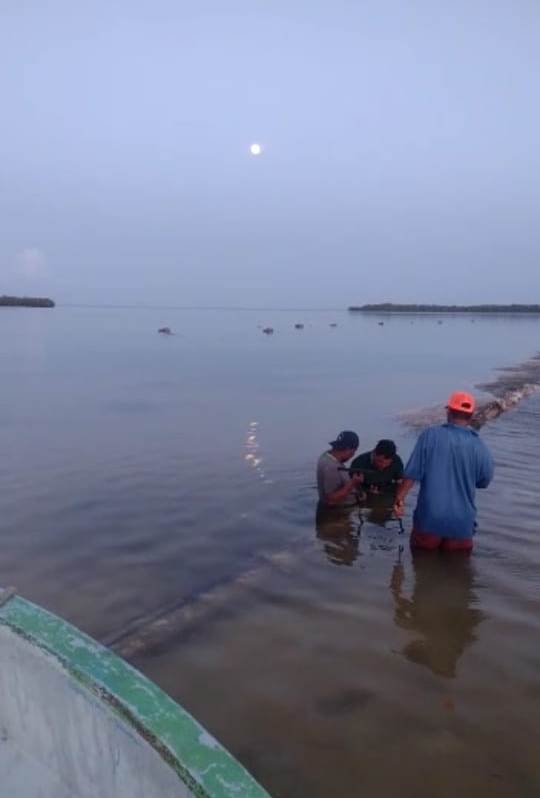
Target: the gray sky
(401, 151)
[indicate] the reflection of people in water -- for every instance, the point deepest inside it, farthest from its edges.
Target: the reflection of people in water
(440, 612)
(339, 531)
(380, 507)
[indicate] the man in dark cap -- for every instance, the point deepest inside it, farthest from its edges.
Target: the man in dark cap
(336, 488)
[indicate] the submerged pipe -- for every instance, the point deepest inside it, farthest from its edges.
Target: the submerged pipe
(170, 623)
(514, 384)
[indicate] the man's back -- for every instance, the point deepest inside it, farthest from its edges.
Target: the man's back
(450, 462)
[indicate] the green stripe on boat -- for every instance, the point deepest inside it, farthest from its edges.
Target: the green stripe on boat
(200, 762)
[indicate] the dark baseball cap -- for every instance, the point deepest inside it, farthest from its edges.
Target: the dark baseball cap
(346, 440)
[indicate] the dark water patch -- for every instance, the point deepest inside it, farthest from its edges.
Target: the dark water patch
(348, 699)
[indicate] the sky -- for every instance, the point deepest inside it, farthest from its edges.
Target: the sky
(400, 151)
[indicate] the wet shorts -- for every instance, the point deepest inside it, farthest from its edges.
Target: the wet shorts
(428, 541)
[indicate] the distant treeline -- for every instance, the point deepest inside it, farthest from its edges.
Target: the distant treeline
(390, 307)
(26, 302)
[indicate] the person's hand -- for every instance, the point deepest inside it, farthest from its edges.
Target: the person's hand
(374, 489)
(357, 479)
(399, 507)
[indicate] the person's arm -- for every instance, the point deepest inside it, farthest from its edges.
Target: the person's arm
(339, 495)
(485, 468)
(357, 466)
(413, 473)
(403, 488)
(398, 474)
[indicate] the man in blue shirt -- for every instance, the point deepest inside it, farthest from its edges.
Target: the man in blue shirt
(449, 462)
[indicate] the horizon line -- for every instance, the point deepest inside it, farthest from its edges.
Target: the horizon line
(195, 307)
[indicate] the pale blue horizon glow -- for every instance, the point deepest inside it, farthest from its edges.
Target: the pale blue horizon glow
(400, 156)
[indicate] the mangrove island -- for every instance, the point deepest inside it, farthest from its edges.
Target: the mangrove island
(25, 302)
(390, 307)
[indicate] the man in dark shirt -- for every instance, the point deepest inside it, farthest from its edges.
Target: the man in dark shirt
(382, 468)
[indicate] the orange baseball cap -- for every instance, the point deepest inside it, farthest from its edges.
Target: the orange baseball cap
(461, 401)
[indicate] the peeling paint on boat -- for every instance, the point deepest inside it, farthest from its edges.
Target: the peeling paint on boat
(208, 740)
(102, 726)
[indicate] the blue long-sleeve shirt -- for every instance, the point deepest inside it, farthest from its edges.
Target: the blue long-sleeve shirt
(449, 462)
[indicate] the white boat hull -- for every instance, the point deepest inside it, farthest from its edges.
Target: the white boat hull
(77, 721)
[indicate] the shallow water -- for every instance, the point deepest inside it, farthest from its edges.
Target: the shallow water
(326, 660)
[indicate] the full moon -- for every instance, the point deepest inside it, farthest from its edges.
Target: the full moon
(255, 149)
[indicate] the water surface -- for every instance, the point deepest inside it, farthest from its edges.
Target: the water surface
(159, 493)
